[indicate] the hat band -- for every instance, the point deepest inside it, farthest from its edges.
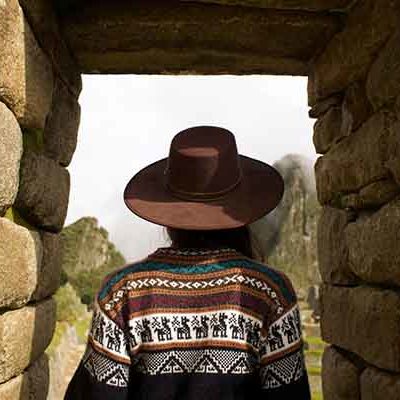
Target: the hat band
(198, 196)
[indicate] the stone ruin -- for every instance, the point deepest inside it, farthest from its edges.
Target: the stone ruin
(350, 51)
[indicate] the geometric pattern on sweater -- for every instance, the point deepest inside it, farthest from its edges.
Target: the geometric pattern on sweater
(157, 282)
(104, 369)
(283, 371)
(209, 360)
(281, 351)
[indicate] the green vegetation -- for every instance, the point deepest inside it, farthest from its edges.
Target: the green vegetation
(316, 396)
(69, 307)
(70, 312)
(61, 328)
(87, 283)
(88, 257)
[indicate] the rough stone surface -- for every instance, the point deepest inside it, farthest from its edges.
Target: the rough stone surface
(372, 196)
(24, 335)
(332, 250)
(309, 5)
(43, 191)
(49, 270)
(15, 389)
(373, 245)
(340, 377)
(358, 159)
(377, 385)
(360, 319)
(61, 130)
(393, 151)
(171, 38)
(356, 107)
(383, 84)
(10, 157)
(46, 27)
(26, 78)
(350, 53)
(20, 255)
(327, 130)
(38, 378)
(324, 105)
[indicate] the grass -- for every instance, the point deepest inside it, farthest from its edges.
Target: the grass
(316, 396)
(316, 341)
(60, 329)
(314, 352)
(313, 370)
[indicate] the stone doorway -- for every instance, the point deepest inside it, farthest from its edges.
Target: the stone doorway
(350, 52)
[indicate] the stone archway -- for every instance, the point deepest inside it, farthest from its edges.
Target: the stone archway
(350, 51)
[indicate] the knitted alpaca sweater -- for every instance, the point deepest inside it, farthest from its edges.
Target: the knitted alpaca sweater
(191, 324)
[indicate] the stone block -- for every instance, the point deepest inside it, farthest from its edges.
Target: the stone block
(46, 27)
(309, 5)
(37, 376)
(377, 385)
(350, 53)
(20, 256)
(15, 389)
(61, 130)
(358, 159)
(327, 130)
(356, 108)
(26, 78)
(170, 38)
(373, 195)
(10, 157)
(324, 105)
(360, 319)
(49, 271)
(383, 85)
(373, 245)
(43, 191)
(393, 151)
(340, 376)
(331, 247)
(24, 335)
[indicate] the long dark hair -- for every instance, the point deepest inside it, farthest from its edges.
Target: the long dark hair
(241, 239)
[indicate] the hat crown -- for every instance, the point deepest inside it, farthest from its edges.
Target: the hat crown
(203, 163)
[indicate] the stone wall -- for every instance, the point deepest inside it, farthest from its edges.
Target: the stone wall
(354, 92)
(39, 117)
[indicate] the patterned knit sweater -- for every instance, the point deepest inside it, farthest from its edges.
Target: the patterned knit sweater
(184, 323)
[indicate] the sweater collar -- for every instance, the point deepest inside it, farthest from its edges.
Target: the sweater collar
(191, 252)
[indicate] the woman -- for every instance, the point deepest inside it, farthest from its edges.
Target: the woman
(201, 318)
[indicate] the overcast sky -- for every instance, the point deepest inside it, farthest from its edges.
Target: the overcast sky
(128, 122)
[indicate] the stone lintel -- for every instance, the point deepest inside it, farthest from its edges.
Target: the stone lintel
(144, 38)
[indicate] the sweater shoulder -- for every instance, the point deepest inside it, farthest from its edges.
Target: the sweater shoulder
(114, 278)
(278, 279)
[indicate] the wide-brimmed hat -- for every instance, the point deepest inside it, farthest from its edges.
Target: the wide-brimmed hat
(204, 184)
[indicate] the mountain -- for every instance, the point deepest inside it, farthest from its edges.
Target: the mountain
(88, 256)
(287, 236)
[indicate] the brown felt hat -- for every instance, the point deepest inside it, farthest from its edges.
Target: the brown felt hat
(204, 184)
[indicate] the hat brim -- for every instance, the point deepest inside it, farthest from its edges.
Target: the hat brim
(259, 192)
